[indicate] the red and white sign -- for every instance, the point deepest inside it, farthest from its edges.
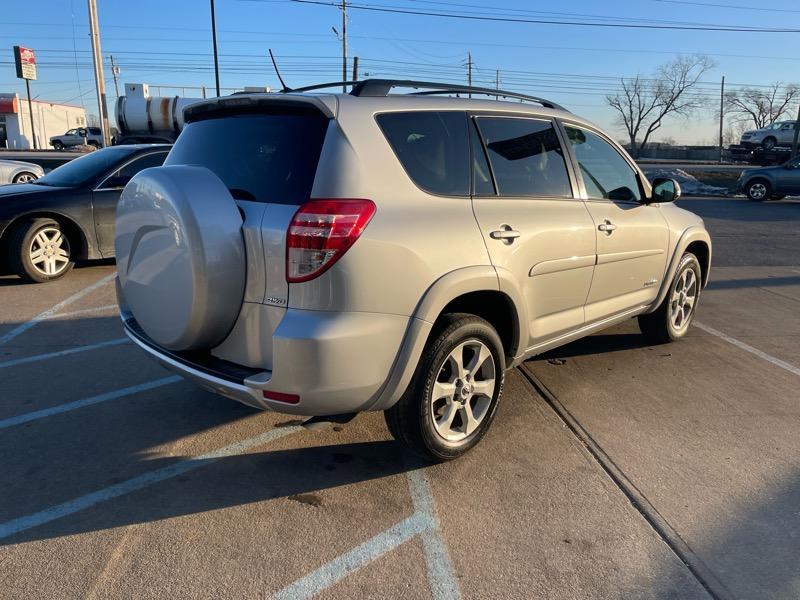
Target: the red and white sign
(25, 61)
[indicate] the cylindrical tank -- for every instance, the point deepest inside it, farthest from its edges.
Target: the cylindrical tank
(159, 115)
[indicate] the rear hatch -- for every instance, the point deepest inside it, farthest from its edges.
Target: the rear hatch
(266, 154)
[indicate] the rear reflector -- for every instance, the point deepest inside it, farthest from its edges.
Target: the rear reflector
(281, 397)
(320, 233)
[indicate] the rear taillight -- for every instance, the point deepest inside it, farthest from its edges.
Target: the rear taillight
(321, 232)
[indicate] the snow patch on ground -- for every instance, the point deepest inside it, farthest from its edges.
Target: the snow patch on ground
(690, 186)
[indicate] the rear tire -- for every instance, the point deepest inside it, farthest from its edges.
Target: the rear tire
(758, 190)
(40, 250)
(58, 146)
(672, 318)
(769, 143)
(453, 396)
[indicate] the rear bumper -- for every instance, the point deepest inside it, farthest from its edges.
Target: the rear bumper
(335, 362)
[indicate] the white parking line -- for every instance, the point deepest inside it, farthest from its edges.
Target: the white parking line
(62, 408)
(748, 348)
(83, 311)
(423, 522)
(37, 357)
(349, 562)
(22, 328)
(136, 483)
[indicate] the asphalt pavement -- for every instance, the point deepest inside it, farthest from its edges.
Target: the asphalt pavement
(614, 469)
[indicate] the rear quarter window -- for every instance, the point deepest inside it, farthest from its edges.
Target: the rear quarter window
(263, 157)
(433, 148)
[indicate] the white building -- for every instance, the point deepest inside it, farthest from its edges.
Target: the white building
(50, 118)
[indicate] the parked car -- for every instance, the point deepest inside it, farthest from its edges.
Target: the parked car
(771, 183)
(325, 254)
(68, 215)
(92, 136)
(780, 133)
(17, 171)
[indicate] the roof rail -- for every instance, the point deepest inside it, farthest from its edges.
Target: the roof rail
(382, 87)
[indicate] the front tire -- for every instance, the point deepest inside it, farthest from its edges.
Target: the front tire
(758, 190)
(452, 398)
(672, 318)
(58, 146)
(24, 177)
(40, 250)
(769, 143)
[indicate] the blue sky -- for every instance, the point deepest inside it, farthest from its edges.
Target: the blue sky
(167, 42)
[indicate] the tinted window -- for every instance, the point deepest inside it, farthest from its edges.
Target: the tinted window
(481, 174)
(264, 157)
(526, 157)
(87, 168)
(605, 173)
(156, 159)
(433, 148)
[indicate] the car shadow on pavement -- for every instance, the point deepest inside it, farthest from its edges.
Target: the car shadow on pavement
(297, 474)
(601, 343)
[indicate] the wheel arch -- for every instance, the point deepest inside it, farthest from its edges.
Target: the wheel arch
(74, 231)
(695, 240)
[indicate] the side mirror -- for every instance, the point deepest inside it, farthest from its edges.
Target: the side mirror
(665, 190)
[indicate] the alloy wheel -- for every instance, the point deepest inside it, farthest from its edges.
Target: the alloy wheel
(25, 178)
(49, 251)
(463, 390)
(683, 299)
(758, 191)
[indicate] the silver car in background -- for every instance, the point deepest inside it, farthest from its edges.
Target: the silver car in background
(780, 133)
(16, 171)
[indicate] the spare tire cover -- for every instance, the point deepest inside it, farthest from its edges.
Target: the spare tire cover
(180, 256)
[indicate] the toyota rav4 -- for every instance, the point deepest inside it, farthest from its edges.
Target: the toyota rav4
(326, 254)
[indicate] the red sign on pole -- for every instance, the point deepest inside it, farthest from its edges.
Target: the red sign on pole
(25, 61)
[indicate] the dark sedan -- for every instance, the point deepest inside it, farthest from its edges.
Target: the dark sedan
(69, 214)
(771, 183)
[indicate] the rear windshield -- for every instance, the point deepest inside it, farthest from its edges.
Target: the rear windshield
(433, 148)
(262, 157)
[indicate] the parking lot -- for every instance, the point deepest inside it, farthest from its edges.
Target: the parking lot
(614, 469)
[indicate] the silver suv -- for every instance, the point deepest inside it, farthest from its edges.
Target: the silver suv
(326, 254)
(780, 133)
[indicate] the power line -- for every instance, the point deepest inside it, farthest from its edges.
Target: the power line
(733, 6)
(501, 19)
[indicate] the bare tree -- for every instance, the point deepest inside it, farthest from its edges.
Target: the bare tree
(762, 106)
(644, 103)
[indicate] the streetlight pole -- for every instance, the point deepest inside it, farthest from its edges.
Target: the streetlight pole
(214, 39)
(99, 77)
(344, 44)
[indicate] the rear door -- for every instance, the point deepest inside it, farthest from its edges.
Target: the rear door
(106, 196)
(535, 226)
(632, 237)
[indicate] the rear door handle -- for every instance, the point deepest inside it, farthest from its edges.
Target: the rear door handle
(607, 226)
(505, 233)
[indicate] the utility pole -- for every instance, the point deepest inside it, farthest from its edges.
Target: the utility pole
(214, 41)
(721, 115)
(796, 131)
(344, 44)
(99, 76)
(355, 68)
(497, 82)
(114, 72)
(469, 70)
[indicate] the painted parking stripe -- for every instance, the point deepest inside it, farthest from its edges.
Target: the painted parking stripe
(442, 582)
(748, 348)
(83, 311)
(360, 556)
(22, 328)
(71, 507)
(62, 408)
(38, 357)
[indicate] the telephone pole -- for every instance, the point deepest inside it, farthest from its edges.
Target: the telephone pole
(114, 73)
(214, 41)
(796, 132)
(721, 114)
(355, 68)
(344, 44)
(497, 82)
(469, 70)
(99, 77)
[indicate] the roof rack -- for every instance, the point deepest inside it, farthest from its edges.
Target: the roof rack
(381, 87)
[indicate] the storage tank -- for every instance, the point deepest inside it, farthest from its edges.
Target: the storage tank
(143, 118)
